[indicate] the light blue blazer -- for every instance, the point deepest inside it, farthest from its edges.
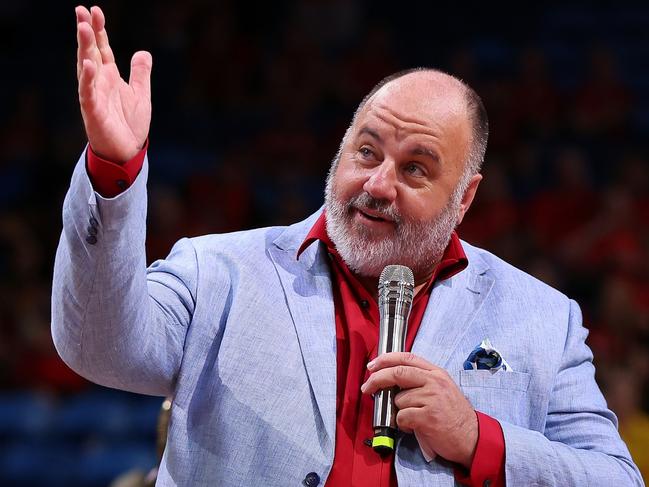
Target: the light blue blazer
(242, 335)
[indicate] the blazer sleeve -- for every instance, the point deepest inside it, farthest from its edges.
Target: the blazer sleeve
(580, 444)
(114, 321)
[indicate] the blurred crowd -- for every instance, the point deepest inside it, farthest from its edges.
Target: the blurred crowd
(250, 104)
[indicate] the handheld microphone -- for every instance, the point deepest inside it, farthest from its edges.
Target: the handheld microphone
(396, 291)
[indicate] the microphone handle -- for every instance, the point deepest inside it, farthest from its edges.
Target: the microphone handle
(394, 309)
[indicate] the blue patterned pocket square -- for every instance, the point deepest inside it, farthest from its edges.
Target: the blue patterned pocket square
(486, 357)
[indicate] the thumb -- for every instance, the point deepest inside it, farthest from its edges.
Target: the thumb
(140, 79)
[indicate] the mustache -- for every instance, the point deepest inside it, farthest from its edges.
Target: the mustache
(365, 201)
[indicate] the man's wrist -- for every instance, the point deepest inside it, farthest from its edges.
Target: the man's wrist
(472, 435)
(109, 178)
(488, 461)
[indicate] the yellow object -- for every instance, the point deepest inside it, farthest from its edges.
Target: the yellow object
(635, 432)
(385, 441)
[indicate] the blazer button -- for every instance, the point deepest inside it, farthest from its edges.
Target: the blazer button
(93, 221)
(91, 230)
(311, 480)
(91, 239)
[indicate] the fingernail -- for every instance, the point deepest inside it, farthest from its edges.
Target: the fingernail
(371, 364)
(363, 387)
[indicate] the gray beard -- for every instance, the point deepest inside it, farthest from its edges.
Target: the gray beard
(415, 244)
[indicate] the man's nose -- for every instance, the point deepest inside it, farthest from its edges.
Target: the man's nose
(382, 183)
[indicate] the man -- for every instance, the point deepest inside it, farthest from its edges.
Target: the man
(267, 339)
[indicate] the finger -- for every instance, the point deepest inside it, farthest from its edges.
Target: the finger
(87, 85)
(87, 46)
(399, 358)
(401, 376)
(98, 25)
(82, 15)
(140, 78)
(411, 398)
(409, 419)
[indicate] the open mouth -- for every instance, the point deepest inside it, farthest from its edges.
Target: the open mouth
(373, 217)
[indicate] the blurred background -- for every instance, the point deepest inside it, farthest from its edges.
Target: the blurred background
(250, 103)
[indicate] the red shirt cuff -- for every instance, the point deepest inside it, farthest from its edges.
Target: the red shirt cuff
(110, 179)
(488, 466)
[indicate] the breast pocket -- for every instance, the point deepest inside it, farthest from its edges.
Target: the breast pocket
(518, 381)
(502, 395)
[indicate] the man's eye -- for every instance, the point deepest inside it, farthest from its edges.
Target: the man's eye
(414, 169)
(365, 151)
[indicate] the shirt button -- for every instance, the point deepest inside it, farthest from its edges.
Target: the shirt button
(368, 441)
(486, 483)
(121, 183)
(311, 480)
(92, 230)
(91, 239)
(365, 304)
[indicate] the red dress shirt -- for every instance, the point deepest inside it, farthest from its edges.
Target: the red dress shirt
(357, 322)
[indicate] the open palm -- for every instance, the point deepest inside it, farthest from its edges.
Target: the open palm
(116, 114)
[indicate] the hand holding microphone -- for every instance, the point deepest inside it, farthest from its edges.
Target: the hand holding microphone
(410, 393)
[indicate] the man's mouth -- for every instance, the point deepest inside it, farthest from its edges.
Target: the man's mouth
(373, 215)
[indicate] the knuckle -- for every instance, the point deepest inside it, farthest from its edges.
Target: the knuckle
(400, 371)
(440, 377)
(409, 357)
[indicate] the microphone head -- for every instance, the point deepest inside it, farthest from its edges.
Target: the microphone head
(398, 273)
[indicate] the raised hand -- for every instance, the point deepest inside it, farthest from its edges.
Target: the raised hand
(116, 114)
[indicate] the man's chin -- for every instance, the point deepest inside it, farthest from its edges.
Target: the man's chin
(368, 254)
(370, 233)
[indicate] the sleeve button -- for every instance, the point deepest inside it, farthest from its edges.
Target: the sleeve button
(311, 480)
(91, 239)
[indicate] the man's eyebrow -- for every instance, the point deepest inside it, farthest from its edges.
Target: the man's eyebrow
(424, 151)
(371, 132)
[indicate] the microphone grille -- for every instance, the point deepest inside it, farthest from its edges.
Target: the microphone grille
(399, 273)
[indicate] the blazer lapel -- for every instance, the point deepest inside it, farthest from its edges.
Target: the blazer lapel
(307, 287)
(452, 306)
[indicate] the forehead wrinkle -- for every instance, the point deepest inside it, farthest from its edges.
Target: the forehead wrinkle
(399, 116)
(402, 123)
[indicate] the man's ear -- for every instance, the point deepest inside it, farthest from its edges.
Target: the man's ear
(468, 196)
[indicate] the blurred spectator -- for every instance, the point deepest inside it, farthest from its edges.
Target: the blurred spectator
(536, 109)
(565, 205)
(603, 101)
